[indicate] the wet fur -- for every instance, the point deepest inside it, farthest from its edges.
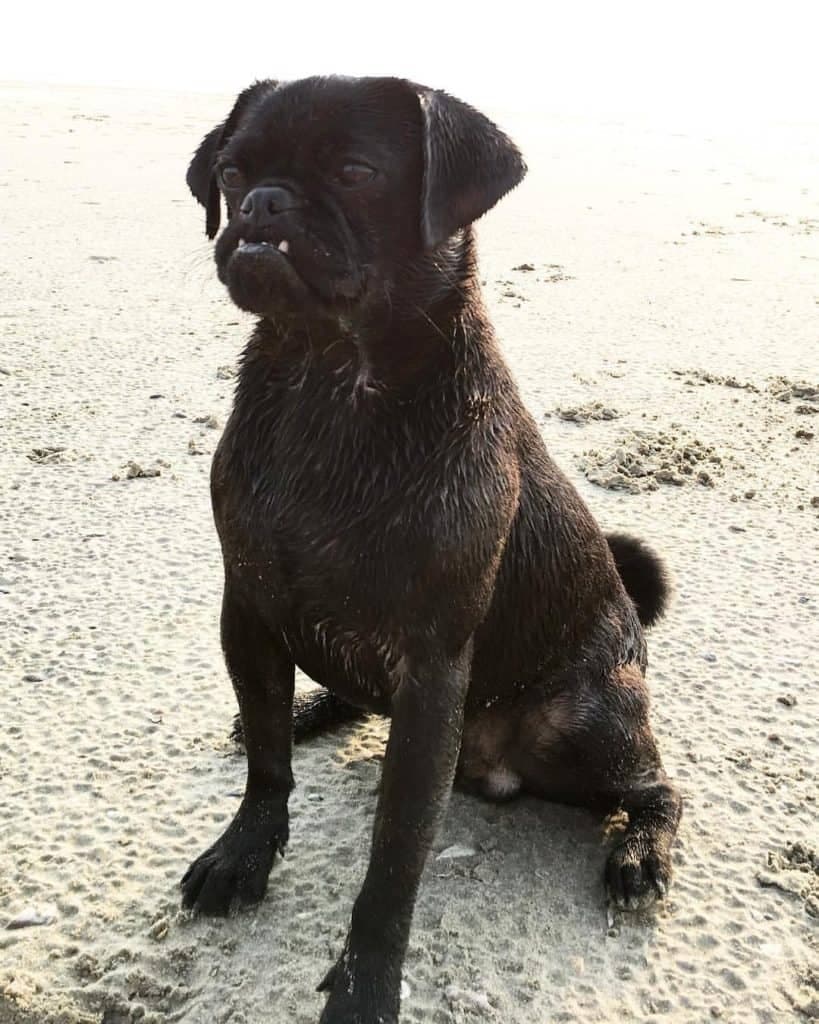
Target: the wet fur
(391, 523)
(644, 577)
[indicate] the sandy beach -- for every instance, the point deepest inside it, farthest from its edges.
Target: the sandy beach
(657, 295)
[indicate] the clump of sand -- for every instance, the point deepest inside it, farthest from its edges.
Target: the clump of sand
(642, 460)
(706, 377)
(794, 870)
(784, 390)
(586, 412)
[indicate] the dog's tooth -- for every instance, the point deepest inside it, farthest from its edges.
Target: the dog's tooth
(241, 244)
(284, 245)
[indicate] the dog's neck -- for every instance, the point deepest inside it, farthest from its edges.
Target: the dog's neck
(402, 343)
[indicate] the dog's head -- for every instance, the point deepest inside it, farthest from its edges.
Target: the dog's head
(338, 188)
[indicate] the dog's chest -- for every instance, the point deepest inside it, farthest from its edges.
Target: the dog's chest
(370, 518)
(318, 491)
(328, 529)
(302, 466)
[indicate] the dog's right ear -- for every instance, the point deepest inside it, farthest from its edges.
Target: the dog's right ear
(201, 176)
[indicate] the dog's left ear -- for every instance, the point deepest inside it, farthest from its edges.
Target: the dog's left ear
(469, 164)
(201, 176)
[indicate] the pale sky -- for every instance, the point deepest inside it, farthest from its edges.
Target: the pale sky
(689, 60)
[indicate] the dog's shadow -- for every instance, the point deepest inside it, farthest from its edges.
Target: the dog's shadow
(511, 906)
(527, 854)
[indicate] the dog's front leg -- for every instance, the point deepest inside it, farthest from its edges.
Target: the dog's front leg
(262, 672)
(425, 736)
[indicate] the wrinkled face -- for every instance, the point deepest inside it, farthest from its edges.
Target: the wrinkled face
(343, 194)
(322, 181)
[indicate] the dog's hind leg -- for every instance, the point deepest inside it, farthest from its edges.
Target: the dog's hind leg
(592, 744)
(262, 672)
(315, 711)
(320, 710)
(638, 869)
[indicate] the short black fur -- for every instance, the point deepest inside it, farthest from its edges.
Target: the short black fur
(390, 520)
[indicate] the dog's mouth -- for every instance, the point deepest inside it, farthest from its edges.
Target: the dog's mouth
(285, 270)
(264, 270)
(244, 245)
(268, 244)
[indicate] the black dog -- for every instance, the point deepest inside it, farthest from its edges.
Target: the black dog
(390, 520)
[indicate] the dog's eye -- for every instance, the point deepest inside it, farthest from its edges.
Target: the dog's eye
(231, 177)
(351, 174)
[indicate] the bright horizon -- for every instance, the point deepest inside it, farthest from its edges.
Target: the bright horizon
(687, 62)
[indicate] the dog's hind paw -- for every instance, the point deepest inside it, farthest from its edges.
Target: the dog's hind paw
(236, 867)
(637, 874)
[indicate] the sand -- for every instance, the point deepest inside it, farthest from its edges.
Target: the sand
(670, 279)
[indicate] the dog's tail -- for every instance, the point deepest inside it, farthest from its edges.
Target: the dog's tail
(314, 711)
(643, 576)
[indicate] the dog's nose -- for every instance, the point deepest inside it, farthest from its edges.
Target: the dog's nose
(265, 201)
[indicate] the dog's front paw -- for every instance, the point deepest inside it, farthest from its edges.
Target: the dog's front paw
(638, 873)
(237, 866)
(362, 991)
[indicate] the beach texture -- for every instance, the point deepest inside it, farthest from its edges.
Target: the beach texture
(657, 296)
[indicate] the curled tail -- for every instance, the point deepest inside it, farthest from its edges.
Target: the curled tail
(643, 576)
